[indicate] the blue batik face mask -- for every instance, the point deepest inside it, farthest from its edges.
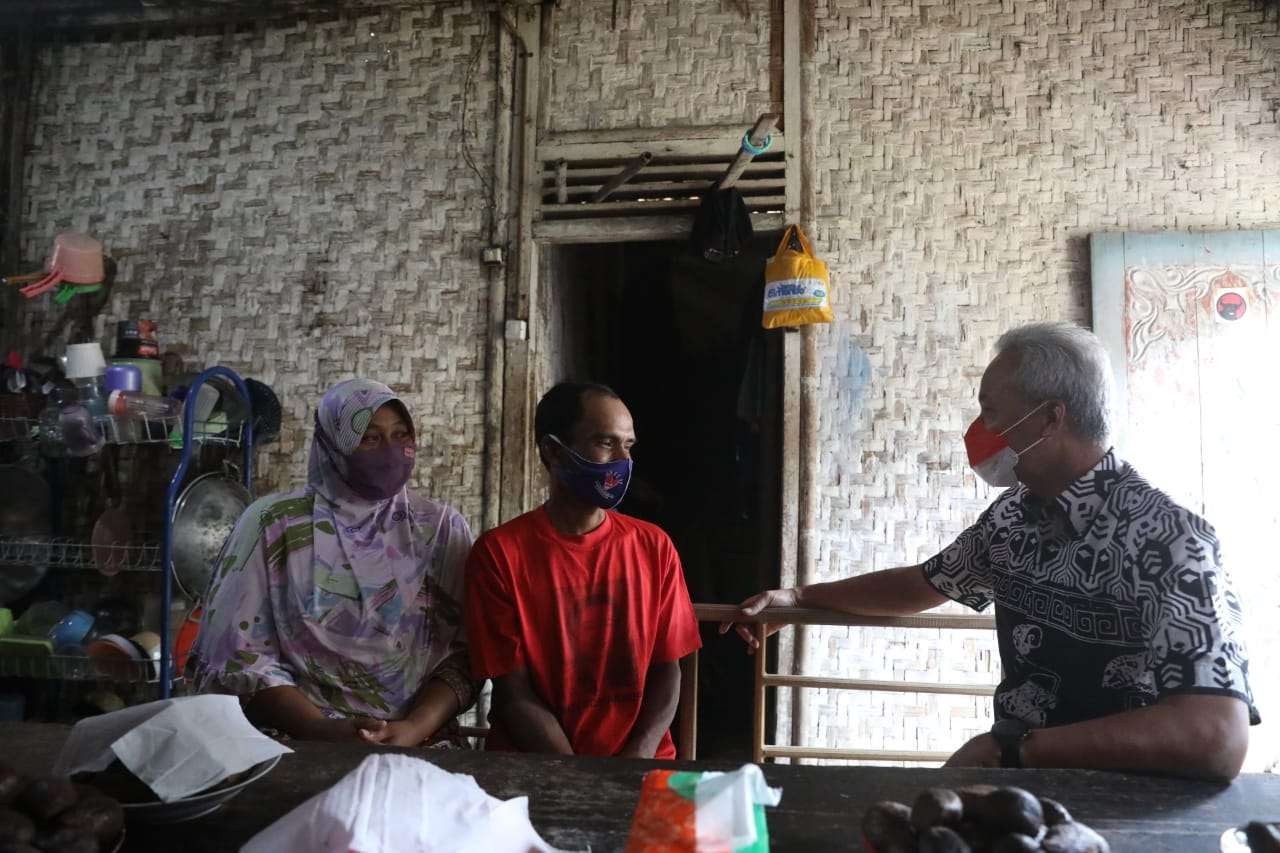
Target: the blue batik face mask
(601, 484)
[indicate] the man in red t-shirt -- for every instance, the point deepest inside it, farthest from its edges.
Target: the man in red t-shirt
(578, 614)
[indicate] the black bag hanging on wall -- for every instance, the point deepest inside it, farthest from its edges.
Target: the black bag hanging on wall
(722, 227)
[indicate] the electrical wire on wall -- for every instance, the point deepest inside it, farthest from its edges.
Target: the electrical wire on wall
(472, 64)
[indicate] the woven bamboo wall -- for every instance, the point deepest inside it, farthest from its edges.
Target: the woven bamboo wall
(665, 62)
(290, 201)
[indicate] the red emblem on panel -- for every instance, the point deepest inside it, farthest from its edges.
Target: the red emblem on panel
(1231, 305)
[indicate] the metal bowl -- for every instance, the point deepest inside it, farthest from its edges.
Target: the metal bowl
(203, 517)
(197, 805)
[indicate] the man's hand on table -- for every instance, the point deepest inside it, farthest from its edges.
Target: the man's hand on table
(752, 606)
(981, 751)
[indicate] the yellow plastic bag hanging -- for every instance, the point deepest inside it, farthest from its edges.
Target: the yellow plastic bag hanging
(796, 285)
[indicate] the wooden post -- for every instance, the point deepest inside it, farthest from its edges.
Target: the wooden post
(517, 405)
(758, 135)
(627, 172)
(505, 65)
(757, 728)
(688, 723)
(15, 100)
(806, 552)
(800, 458)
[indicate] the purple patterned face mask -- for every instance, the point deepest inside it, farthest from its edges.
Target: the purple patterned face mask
(602, 484)
(376, 475)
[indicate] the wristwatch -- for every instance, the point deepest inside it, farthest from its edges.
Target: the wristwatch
(1010, 734)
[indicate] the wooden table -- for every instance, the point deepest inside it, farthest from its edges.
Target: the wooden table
(581, 802)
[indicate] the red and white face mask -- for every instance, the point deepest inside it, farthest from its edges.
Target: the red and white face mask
(991, 456)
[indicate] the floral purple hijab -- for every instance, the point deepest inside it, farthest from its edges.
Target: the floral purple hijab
(357, 603)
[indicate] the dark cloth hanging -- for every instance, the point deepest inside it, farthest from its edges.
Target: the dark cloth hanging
(722, 227)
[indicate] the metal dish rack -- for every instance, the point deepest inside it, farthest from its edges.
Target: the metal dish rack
(71, 554)
(67, 554)
(79, 668)
(139, 430)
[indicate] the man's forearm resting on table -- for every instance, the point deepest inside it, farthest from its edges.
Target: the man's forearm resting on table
(891, 592)
(661, 696)
(1197, 735)
(525, 718)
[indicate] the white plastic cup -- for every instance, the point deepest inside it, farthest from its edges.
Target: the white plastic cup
(85, 361)
(206, 400)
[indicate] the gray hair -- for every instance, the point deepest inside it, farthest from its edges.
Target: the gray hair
(1062, 361)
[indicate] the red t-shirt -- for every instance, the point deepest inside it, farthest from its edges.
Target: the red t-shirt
(585, 616)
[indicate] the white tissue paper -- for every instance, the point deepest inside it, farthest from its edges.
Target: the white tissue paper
(726, 807)
(394, 802)
(178, 747)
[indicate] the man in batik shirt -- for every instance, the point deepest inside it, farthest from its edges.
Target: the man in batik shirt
(1119, 631)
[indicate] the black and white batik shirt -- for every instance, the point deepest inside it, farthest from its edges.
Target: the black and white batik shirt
(1107, 598)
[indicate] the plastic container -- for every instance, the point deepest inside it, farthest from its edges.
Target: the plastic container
(186, 636)
(91, 395)
(152, 373)
(71, 629)
(136, 339)
(205, 402)
(38, 619)
(51, 441)
(77, 258)
(85, 361)
(131, 404)
(125, 377)
(85, 368)
(122, 377)
(80, 434)
(115, 657)
(148, 642)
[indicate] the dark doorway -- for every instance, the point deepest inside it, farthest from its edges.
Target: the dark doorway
(680, 340)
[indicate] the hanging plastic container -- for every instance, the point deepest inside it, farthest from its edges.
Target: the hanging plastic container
(75, 263)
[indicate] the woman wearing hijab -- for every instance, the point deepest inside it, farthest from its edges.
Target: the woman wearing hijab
(335, 613)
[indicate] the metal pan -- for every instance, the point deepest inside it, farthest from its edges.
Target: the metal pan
(203, 517)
